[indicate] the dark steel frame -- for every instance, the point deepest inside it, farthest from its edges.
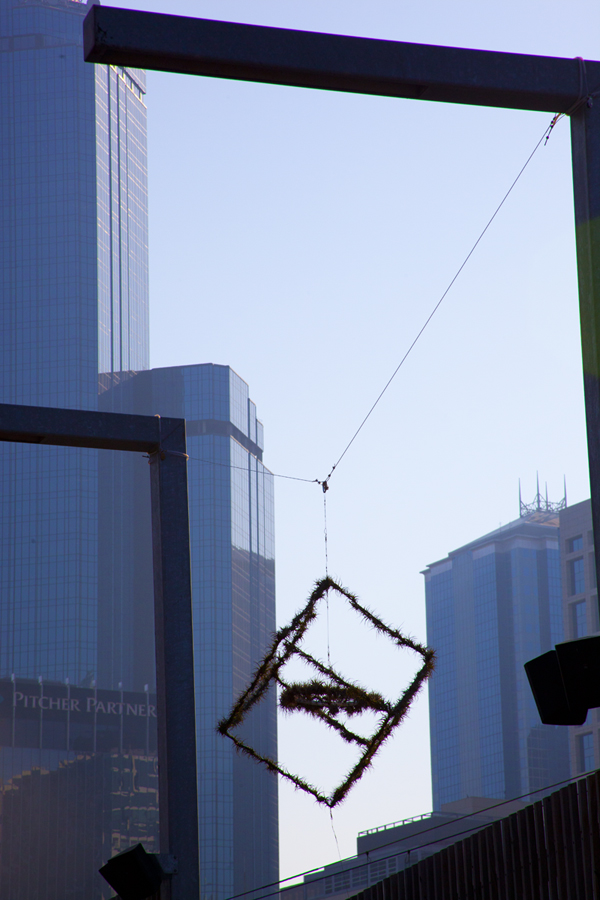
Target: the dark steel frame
(389, 68)
(165, 443)
(394, 69)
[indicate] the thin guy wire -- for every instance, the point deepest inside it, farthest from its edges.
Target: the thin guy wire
(439, 303)
(276, 884)
(327, 595)
(545, 136)
(337, 843)
(325, 533)
(210, 462)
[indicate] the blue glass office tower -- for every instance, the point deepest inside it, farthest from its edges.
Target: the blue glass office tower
(73, 303)
(491, 606)
(233, 589)
(75, 570)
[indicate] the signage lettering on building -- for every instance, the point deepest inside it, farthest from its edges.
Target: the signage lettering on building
(24, 695)
(93, 705)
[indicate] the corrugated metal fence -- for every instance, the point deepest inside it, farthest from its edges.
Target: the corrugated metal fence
(548, 851)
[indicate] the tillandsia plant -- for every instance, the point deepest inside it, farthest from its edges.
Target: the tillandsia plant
(327, 696)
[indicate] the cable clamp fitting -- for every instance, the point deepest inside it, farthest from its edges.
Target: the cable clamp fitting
(164, 453)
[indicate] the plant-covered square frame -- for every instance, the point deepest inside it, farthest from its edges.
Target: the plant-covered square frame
(327, 696)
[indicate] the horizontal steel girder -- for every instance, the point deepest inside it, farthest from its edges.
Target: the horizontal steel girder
(77, 428)
(334, 62)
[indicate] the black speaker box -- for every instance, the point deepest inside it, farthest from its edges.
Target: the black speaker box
(133, 873)
(557, 705)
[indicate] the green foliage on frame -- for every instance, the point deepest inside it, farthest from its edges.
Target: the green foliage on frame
(325, 699)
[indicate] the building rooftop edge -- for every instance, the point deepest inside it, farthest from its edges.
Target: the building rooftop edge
(528, 524)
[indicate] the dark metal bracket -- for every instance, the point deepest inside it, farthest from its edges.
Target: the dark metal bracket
(389, 68)
(165, 442)
(335, 62)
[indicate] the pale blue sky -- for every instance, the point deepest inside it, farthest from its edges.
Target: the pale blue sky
(303, 237)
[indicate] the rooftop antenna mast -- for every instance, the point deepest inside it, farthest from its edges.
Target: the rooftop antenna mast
(520, 500)
(541, 504)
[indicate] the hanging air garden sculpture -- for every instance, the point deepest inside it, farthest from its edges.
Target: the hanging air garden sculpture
(327, 696)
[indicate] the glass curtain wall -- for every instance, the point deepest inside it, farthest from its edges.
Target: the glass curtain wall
(491, 606)
(233, 589)
(73, 304)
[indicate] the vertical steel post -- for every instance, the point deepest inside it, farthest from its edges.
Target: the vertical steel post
(585, 139)
(178, 803)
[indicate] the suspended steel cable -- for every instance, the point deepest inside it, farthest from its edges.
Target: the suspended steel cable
(325, 482)
(543, 138)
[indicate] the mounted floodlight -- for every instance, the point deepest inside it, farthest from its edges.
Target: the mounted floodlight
(565, 682)
(133, 873)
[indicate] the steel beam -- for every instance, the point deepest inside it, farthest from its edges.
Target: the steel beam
(332, 62)
(178, 803)
(77, 428)
(388, 68)
(420, 71)
(165, 442)
(585, 142)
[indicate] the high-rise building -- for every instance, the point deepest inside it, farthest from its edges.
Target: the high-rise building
(491, 606)
(75, 564)
(78, 782)
(580, 598)
(73, 304)
(233, 597)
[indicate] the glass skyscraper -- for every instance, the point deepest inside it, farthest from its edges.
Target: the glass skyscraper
(74, 303)
(491, 606)
(75, 563)
(78, 782)
(233, 591)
